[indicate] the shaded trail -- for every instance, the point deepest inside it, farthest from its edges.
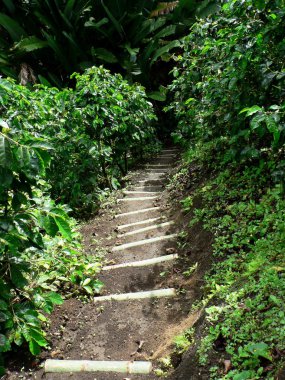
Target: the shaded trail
(140, 234)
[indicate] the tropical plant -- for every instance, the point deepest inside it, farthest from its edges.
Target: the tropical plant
(96, 131)
(32, 229)
(228, 99)
(230, 78)
(75, 33)
(71, 144)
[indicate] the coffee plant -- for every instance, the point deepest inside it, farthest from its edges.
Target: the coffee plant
(96, 131)
(58, 147)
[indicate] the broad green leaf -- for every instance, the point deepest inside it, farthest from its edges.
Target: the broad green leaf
(34, 347)
(55, 298)
(86, 281)
(24, 157)
(104, 55)
(50, 225)
(244, 375)
(40, 144)
(63, 227)
(18, 338)
(5, 152)
(12, 26)
(37, 336)
(97, 286)
(31, 43)
(88, 289)
(260, 349)
(165, 32)
(251, 110)
(157, 95)
(165, 49)
(17, 276)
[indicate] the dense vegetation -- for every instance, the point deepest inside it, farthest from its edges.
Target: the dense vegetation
(62, 149)
(50, 40)
(229, 102)
(58, 146)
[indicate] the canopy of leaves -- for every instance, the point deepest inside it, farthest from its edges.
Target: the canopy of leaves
(57, 38)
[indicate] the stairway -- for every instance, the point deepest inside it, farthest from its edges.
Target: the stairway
(133, 292)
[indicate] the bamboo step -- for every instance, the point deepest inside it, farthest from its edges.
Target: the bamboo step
(142, 263)
(143, 242)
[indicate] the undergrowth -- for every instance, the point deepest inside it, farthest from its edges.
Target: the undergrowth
(244, 293)
(228, 99)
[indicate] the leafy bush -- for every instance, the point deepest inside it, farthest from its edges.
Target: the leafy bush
(228, 98)
(229, 82)
(95, 131)
(36, 237)
(70, 144)
(131, 37)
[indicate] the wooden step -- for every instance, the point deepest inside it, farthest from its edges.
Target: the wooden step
(146, 221)
(145, 229)
(169, 292)
(138, 212)
(158, 166)
(127, 192)
(143, 242)
(127, 367)
(136, 199)
(147, 187)
(143, 263)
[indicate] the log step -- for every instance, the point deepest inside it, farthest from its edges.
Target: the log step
(169, 151)
(143, 263)
(138, 211)
(128, 367)
(169, 292)
(146, 221)
(140, 192)
(143, 242)
(147, 186)
(159, 166)
(154, 170)
(136, 199)
(145, 229)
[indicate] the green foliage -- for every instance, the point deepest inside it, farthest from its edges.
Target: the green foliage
(71, 144)
(59, 38)
(183, 342)
(96, 130)
(29, 223)
(229, 81)
(247, 287)
(228, 99)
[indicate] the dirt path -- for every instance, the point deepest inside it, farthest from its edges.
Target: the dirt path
(139, 228)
